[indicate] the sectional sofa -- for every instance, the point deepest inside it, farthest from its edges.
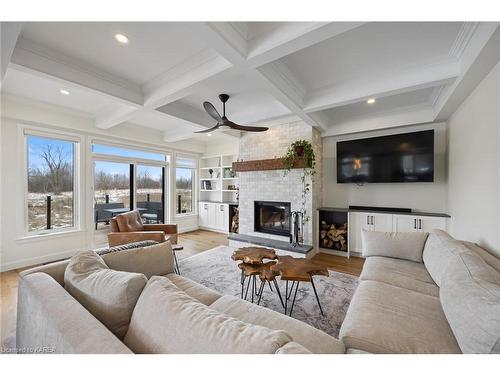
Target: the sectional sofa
(417, 294)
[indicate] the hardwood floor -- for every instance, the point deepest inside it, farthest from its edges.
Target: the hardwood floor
(193, 242)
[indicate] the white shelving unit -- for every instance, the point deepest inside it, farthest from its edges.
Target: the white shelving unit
(218, 190)
(220, 185)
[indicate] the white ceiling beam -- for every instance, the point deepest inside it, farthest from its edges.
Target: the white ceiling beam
(47, 62)
(115, 114)
(182, 79)
(401, 117)
(9, 32)
(480, 54)
(381, 86)
(221, 36)
(294, 37)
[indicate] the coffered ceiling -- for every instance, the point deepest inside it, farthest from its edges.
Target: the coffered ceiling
(321, 73)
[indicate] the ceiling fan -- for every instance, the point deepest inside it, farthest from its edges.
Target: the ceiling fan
(223, 122)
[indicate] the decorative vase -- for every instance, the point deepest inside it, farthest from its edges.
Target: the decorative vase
(299, 150)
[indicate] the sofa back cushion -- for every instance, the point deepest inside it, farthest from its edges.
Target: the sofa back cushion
(152, 260)
(107, 294)
(489, 258)
(470, 297)
(129, 222)
(167, 320)
(402, 245)
(438, 252)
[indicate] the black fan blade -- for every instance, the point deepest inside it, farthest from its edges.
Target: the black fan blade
(234, 126)
(212, 111)
(209, 130)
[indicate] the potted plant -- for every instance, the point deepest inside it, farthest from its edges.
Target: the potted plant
(296, 151)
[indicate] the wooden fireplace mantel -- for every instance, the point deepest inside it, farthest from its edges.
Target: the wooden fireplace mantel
(265, 165)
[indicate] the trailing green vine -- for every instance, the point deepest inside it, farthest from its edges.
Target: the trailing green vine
(296, 151)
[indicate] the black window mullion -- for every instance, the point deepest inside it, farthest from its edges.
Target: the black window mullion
(132, 179)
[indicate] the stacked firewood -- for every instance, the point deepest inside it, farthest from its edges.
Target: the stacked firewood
(235, 221)
(333, 236)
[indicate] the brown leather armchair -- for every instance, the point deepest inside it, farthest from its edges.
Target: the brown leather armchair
(128, 227)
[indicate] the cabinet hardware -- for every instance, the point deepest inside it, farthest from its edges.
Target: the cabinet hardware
(368, 219)
(419, 223)
(373, 218)
(414, 223)
(222, 208)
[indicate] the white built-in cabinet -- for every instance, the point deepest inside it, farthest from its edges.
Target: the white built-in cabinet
(388, 222)
(214, 216)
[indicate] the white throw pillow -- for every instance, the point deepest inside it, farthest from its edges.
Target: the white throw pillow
(402, 245)
(107, 294)
(167, 320)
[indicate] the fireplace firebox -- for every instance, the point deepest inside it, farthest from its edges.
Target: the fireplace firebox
(272, 217)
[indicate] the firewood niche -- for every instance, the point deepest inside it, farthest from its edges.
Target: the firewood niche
(333, 229)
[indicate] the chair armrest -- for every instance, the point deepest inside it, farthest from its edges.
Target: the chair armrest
(170, 229)
(121, 238)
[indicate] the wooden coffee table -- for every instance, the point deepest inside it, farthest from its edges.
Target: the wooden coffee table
(298, 270)
(253, 265)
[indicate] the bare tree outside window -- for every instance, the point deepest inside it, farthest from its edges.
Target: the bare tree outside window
(50, 183)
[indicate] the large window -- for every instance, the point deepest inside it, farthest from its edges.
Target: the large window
(51, 183)
(185, 177)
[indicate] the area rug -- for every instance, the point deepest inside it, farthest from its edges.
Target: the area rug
(215, 269)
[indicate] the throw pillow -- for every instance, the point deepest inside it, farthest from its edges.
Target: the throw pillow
(408, 246)
(107, 294)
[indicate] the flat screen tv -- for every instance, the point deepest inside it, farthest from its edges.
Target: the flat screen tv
(405, 157)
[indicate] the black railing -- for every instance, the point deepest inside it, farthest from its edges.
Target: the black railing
(49, 210)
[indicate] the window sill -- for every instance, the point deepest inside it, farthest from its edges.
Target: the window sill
(41, 236)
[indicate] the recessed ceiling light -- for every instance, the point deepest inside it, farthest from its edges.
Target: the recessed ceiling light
(121, 38)
(209, 135)
(64, 92)
(371, 101)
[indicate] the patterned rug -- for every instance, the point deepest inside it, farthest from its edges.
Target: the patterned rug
(215, 269)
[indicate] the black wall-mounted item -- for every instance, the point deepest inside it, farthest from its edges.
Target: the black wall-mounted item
(405, 157)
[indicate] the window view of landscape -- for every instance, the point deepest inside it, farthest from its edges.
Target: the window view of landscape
(149, 192)
(184, 178)
(50, 183)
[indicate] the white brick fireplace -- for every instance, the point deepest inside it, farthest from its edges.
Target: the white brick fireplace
(273, 185)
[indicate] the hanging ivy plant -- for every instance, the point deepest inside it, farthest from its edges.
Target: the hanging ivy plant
(296, 151)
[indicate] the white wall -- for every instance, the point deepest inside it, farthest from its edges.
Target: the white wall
(222, 145)
(474, 165)
(421, 196)
(18, 251)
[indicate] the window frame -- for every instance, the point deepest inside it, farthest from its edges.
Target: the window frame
(194, 194)
(27, 131)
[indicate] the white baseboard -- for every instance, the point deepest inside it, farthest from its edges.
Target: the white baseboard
(214, 230)
(38, 260)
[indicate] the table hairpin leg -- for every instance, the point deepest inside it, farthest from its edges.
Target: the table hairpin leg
(262, 284)
(242, 282)
(177, 270)
(270, 287)
(294, 296)
(316, 294)
(254, 288)
(279, 293)
(287, 296)
(248, 286)
(286, 293)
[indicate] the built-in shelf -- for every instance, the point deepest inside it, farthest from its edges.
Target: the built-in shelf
(265, 165)
(219, 181)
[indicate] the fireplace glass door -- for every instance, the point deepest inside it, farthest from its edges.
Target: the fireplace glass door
(272, 218)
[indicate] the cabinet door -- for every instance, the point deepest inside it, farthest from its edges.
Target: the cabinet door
(212, 212)
(428, 223)
(381, 222)
(358, 221)
(405, 223)
(220, 214)
(203, 214)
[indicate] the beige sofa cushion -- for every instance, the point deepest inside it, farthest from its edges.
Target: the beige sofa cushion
(470, 296)
(489, 258)
(383, 318)
(108, 294)
(292, 348)
(438, 251)
(152, 260)
(167, 320)
(48, 317)
(199, 292)
(401, 273)
(402, 245)
(312, 339)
